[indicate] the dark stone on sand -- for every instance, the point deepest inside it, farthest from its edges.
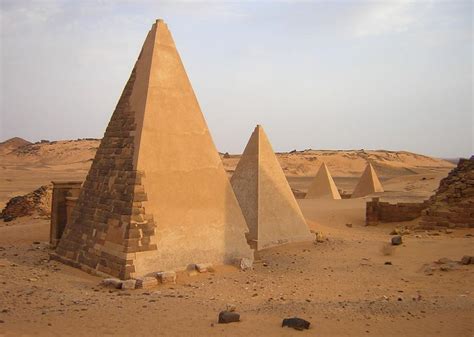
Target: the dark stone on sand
(296, 323)
(228, 317)
(397, 240)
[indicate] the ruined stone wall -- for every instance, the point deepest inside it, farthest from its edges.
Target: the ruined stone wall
(377, 211)
(38, 201)
(453, 204)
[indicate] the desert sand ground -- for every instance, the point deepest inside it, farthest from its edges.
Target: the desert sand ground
(342, 285)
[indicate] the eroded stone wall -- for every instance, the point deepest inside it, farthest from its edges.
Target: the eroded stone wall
(377, 211)
(453, 204)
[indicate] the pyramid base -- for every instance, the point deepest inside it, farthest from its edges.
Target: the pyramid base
(261, 245)
(54, 256)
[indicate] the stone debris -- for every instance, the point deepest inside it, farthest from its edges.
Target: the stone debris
(296, 323)
(349, 225)
(245, 264)
(231, 307)
(320, 237)
(129, 284)
(112, 282)
(146, 282)
(166, 277)
(400, 231)
(466, 259)
(38, 201)
(397, 240)
(204, 267)
(451, 205)
(228, 317)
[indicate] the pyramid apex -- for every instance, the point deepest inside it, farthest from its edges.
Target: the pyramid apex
(160, 21)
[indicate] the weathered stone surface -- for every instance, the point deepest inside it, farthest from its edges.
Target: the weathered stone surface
(129, 284)
(146, 282)
(466, 259)
(228, 317)
(453, 203)
(204, 267)
(245, 263)
(296, 323)
(268, 204)
(112, 282)
(397, 240)
(377, 211)
(166, 277)
(157, 196)
(38, 201)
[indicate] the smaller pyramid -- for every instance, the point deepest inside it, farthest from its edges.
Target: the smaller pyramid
(323, 185)
(268, 204)
(368, 183)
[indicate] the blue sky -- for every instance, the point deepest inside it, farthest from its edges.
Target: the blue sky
(393, 75)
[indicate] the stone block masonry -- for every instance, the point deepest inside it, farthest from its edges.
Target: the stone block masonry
(453, 203)
(377, 211)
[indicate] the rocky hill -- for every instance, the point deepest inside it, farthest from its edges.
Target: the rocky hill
(343, 163)
(12, 144)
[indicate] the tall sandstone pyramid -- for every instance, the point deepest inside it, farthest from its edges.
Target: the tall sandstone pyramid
(266, 199)
(156, 196)
(368, 183)
(323, 185)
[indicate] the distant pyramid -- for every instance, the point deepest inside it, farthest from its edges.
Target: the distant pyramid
(156, 196)
(368, 183)
(323, 185)
(266, 199)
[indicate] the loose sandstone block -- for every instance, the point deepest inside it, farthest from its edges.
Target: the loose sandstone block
(112, 282)
(146, 282)
(129, 284)
(204, 267)
(166, 277)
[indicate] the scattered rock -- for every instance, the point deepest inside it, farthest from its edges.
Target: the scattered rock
(146, 282)
(231, 307)
(245, 263)
(388, 263)
(397, 240)
(112, 282)
(129, 284)
(444, 260)
(400, 231)
(166, 277)
(296, 323)
(466, 259)
(228, 317)
(320, 237)
(204, 267)
(349, 225)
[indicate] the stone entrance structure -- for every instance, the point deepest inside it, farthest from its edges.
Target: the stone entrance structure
(266, 199)
(368, 183)
(64, 195)
(156, 197)
(323, 185)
